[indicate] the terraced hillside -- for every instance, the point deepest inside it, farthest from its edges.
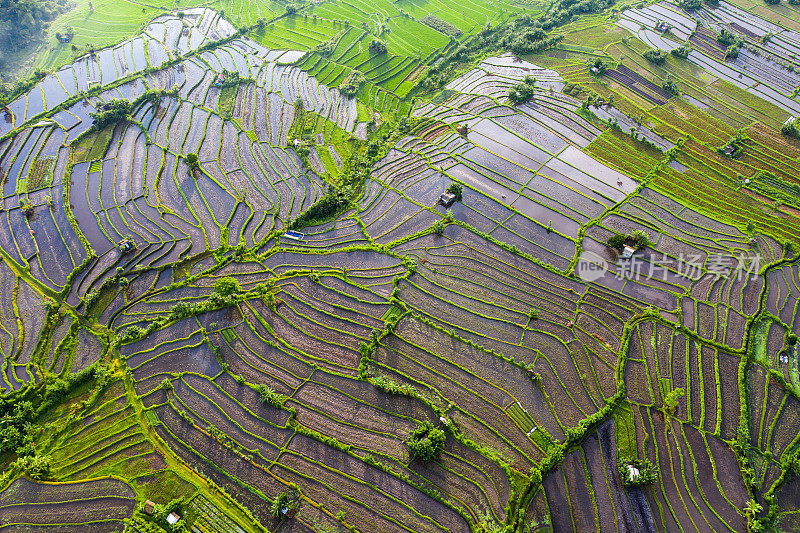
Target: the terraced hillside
(405, 266)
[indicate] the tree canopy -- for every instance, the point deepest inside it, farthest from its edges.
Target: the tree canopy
(24, 21)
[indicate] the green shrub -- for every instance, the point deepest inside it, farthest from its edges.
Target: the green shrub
(526, 44)
(640, 239)
(656, 57)
(789, 128)
(37, 467)
(598, 67)
(329, 205)
(647, 472)
(227, 286)
(131, 334)
(440, 25)
(161, 513)
(671, 399)
(617, 241)
(352, 83)
(682, 52)
(455, 189)
(217, 433)
(390, 386)
(520, 93)
(403, 126)
(285, 500)
(377, 47)
(637, 240)
(726, 37)
(670, 85)
(732, 52)
(426, 442)
(691, 5)
(326, 48)
(113, 112)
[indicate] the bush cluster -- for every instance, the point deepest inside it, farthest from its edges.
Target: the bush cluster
(352, 83)
(528, 37)
(329, 205)
(656, 57)
(789, 128)
(573, 89)
(36, 467)
(161, 512)
(682, 52)
(520, 93)
(732, 41)
(691, 5)
(113, 112)
(426, 442)
(737, 147)
(638, 239)
(647, 472)
(192, 160)
(600, 67)
(284, 500)
(566, 10)
(227, 286)
(230, 78)
(441, 25)
(326, 48)
(525, 45)
(726, 37)
(377, 47)
(13, 432)
(670, 85)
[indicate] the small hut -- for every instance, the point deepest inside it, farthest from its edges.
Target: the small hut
(126, 245)
(628, 251)
(633, 474)
(447, 199)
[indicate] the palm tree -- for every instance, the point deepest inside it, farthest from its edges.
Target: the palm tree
(751, 509)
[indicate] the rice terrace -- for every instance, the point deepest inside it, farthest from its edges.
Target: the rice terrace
(400, 266)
